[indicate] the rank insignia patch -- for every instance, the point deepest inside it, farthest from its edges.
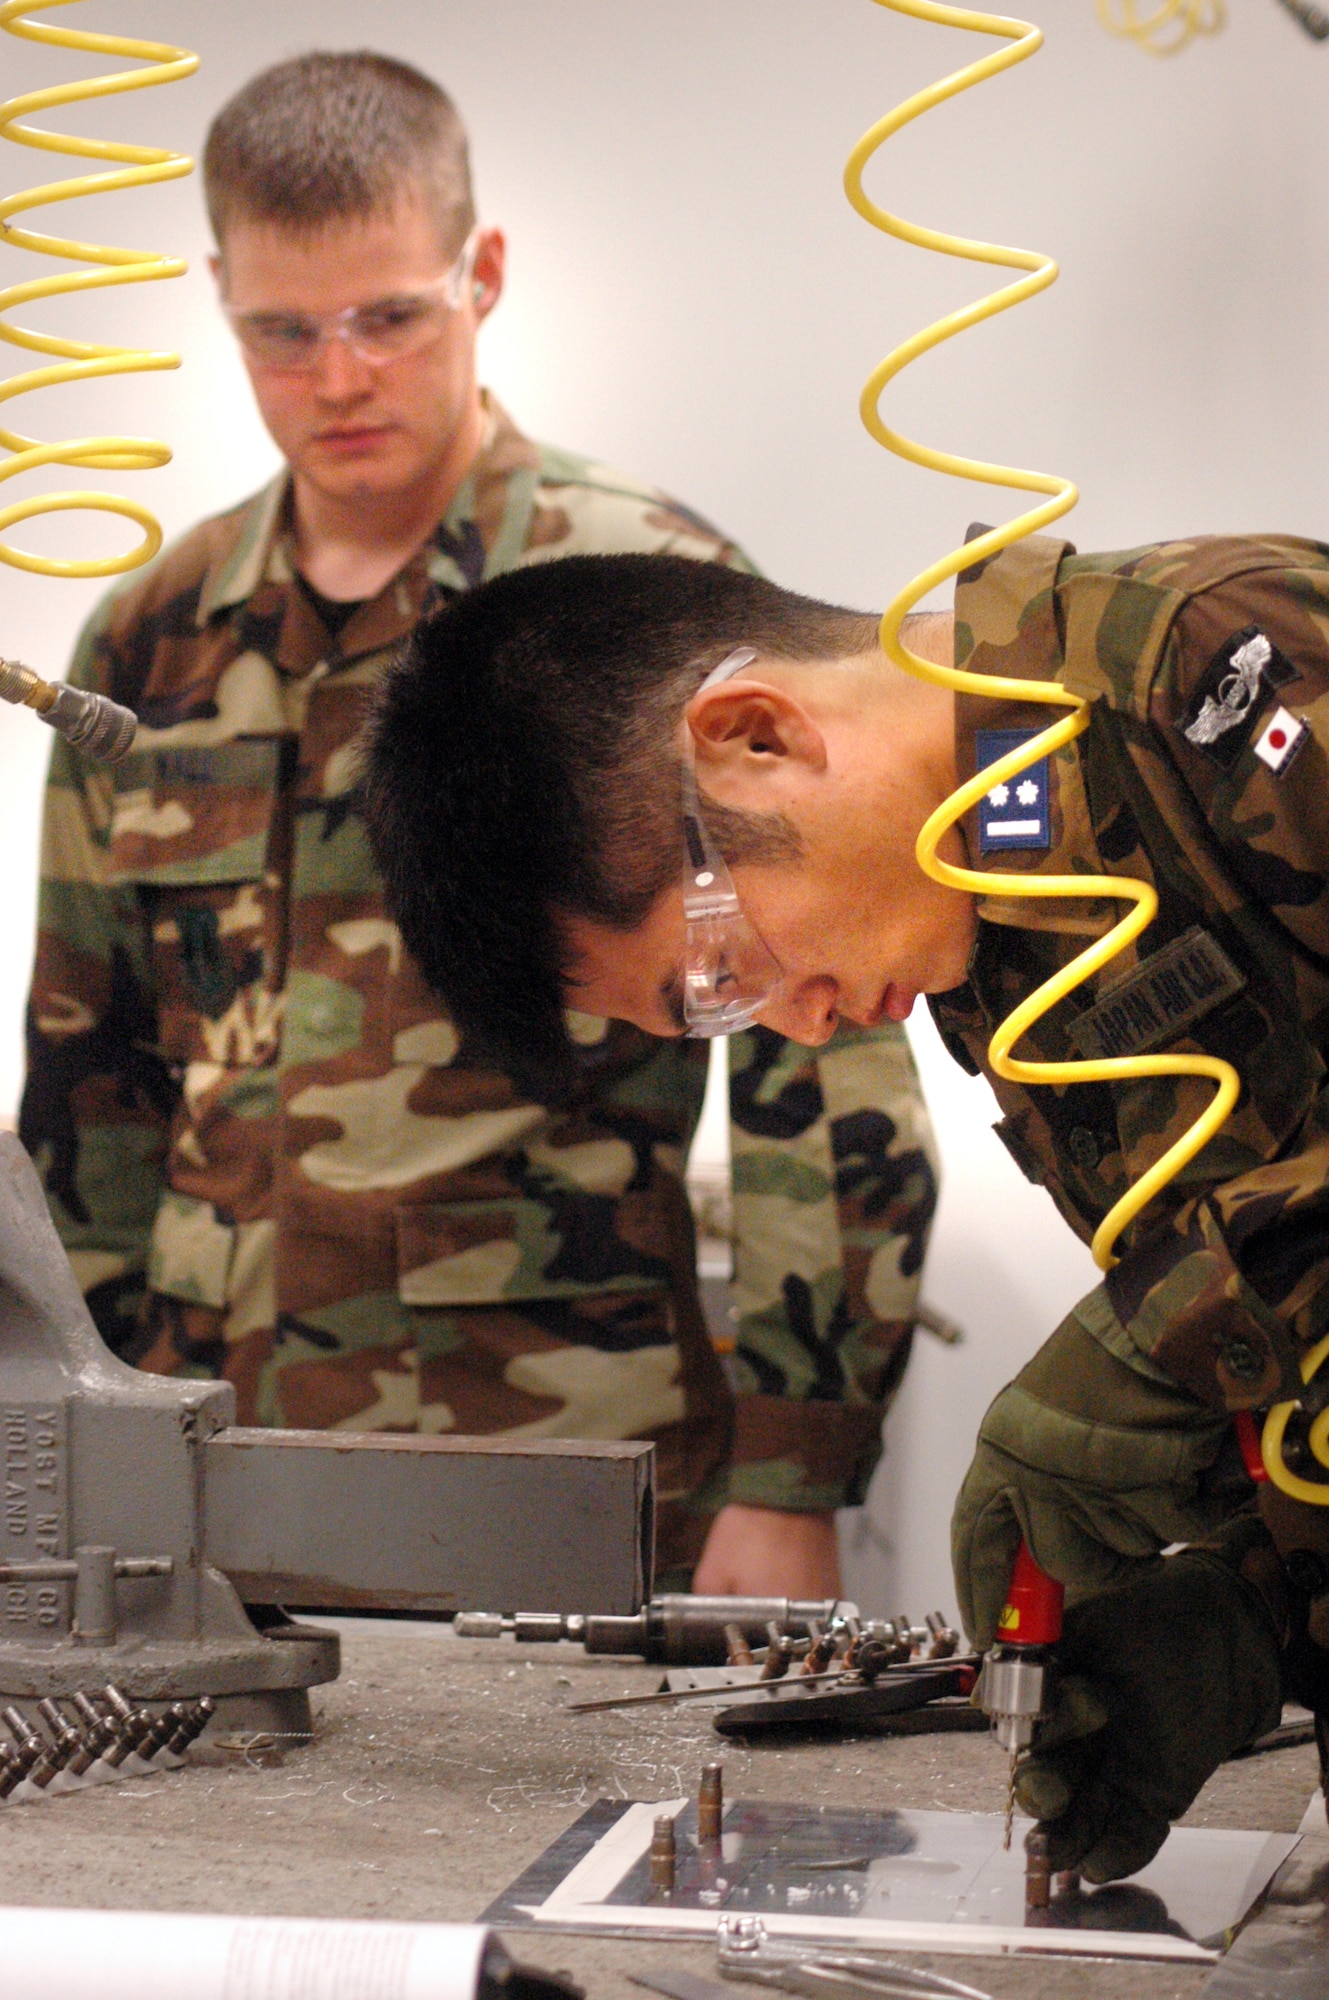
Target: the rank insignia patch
(1280, 739)
(1227, 700)
(1015, 814)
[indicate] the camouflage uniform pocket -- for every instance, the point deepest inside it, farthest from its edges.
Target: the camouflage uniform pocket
(190, 831)
(190, 1252)
(227, 1266)
(496, 1252)
(189, 817)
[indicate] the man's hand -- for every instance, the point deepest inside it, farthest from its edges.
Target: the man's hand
(1158, 1683)
(761, 1552)
(1094, 1462)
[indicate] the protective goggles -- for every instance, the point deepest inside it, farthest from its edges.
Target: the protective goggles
(728, 974)
(387, 329)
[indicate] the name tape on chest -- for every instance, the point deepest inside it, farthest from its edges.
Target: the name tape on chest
(1173, 989)
(1242, 672)
(1015, 814)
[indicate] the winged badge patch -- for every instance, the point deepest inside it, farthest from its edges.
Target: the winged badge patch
(1240, 674)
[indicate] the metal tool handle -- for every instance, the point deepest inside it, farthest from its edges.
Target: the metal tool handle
(850, 1979)
(748, 1951)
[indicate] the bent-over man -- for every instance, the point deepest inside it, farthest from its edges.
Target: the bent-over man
(698, 791)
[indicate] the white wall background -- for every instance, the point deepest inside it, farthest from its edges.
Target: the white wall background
(692, 298)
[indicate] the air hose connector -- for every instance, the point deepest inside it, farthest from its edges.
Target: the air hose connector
(92, 723)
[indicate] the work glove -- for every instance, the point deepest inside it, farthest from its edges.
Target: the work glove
(1096, 1461)
(1156, 1684)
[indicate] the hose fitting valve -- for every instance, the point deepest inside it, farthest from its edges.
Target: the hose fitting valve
(90, 722)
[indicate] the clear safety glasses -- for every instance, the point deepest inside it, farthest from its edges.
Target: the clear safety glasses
(728, 973)
(385, 330)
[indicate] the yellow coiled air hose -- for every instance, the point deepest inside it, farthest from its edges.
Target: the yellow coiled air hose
(92, 722)
(76, 360)
(1022, 40)
(1166, 27)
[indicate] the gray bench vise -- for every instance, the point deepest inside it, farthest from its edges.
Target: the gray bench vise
(149, 1542)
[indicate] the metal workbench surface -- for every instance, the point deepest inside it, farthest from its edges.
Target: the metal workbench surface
(443, 1767)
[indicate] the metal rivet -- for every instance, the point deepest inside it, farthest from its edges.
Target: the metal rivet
(1242, 1361)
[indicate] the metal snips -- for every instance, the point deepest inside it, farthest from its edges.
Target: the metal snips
(747, 1951)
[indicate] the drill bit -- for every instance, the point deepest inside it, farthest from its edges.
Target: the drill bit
(1013, 1686)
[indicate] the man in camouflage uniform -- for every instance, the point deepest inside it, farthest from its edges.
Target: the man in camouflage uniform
(240, 1088)
(1202, 770)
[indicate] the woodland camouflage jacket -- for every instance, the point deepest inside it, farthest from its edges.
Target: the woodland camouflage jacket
(1195, 774)
(238, 1081)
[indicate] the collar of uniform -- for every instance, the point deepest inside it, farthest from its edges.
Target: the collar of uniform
(485, 528)
(236, 572)
(257, 576)
(379, 623)
(1007, 623)
(1096, 623)
(488, 524)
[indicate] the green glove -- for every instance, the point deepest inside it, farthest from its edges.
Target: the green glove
(1094, 1460)
(1158, 1683)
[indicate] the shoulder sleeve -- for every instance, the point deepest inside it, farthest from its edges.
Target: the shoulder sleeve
(1006, 619)
(581, 508)
(96, 1099)
(1229, 1295)
(1240, 708)
(834, 1192)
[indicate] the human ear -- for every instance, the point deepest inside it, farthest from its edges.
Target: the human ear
(742, 723)
(218, 270)
(487, 272)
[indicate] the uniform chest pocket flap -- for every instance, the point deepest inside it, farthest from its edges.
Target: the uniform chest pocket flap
(190, 818)
(190, 831)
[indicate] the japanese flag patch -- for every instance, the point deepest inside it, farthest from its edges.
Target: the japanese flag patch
(1279, 741)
